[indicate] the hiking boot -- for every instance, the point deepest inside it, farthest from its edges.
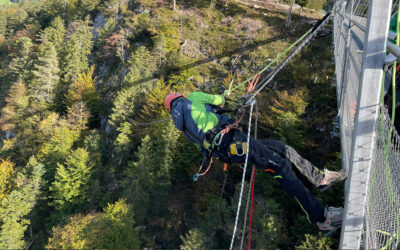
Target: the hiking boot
(333, 220)
(331, 178)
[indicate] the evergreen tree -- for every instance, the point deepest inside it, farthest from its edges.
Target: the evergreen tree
(82, 98)
(72, 181)
(316, 242)
(141, 67)
(147, 181)
(54, 34)
(194, 239)
(112, 229)
(75, 55)
(20, 126)
(13, 114)
(45, 77)
(126, 106)
(56, 149)
(18, 204)
(21, 61)
(6, 174)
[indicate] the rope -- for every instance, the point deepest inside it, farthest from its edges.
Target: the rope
(196, 176)
(249, 193)
(251, 207)
(312, 31)
(395, 67)
(243, 177)
(272, 62)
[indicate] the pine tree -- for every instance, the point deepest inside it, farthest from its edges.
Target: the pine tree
(316, 242)
(20, 126)
(54, 34)
(56, 149)
(147, 183)
(74, 56)
(82, 100)
(194, 239)
(112, 229)
(126, 107)
(21, 61)
(6, 174)
(18, 204)
(141, 67)
(83, 90)
(45, 77)
(72, 181)
(15, 110)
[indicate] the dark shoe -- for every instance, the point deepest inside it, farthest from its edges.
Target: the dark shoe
(331, 178)
(333, 220)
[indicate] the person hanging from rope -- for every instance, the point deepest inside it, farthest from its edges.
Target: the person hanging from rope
(200, 119)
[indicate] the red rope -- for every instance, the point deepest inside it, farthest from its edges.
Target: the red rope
(208, 168)
(251, 206)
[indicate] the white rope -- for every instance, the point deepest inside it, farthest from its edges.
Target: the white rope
(243, 177)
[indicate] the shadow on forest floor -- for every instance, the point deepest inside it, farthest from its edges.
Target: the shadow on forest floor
(229, 53)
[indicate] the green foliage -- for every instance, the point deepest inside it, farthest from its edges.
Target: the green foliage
(45, 77)
(6, 174)
(71, 186)
(316, 242)
(76, 50)
(54, 34)
(147, 180)
(285, 118)
(57, 149)
(112, 229)
(126, 106)
(82, 122)
(82, 98)
(15, 208)
(194, 239)
(13, 113)
(21, 61)
(141, 67)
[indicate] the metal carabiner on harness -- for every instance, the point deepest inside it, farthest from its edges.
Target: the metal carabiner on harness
(218, 139)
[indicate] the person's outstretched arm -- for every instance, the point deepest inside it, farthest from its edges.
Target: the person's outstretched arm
(201, 97)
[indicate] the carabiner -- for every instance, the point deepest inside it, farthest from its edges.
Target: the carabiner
(219, 137)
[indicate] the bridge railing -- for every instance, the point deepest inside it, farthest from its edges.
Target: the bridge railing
(370, 144)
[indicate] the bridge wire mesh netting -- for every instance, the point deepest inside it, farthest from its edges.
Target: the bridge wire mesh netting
(381, 227)
(382, 222)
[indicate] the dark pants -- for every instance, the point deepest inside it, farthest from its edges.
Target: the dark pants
(273, 157)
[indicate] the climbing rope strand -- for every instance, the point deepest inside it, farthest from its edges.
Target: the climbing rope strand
(313, 31)
(272, 62)
(249, 193)
(243, 176)
(251, 207)
(271, 76)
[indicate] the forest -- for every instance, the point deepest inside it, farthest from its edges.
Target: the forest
(82, 165)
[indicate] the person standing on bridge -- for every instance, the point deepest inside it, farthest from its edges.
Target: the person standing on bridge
(197, 117)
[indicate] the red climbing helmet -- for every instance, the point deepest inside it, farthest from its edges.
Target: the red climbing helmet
(169, 98)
